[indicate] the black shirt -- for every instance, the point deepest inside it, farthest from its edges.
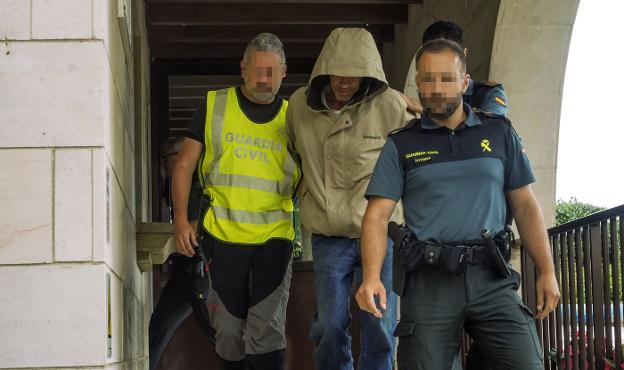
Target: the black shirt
(257, 113)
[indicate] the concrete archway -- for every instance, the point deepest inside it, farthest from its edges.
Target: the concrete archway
(529, 55)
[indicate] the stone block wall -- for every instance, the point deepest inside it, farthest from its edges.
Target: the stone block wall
(71, 74)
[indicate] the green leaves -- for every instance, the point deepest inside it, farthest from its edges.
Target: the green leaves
(573, 209)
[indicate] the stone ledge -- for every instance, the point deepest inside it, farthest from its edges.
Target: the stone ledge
(154, 244)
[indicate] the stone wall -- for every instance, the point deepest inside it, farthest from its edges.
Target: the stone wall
(73, 117)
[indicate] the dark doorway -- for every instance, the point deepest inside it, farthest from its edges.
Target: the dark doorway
(196, 46)
(207, 38)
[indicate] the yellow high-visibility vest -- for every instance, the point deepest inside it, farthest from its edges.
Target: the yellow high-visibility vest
(247, 172)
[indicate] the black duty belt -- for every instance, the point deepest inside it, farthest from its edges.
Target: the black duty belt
(474, 254)
(410, 254)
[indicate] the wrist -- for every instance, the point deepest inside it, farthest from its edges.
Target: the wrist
(371, 278)
(546, 270)
(180, 219)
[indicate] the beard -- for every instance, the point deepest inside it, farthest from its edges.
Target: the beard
(262, 92)
(440, 107)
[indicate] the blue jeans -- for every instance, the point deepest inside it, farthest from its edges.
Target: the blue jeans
(337, 263)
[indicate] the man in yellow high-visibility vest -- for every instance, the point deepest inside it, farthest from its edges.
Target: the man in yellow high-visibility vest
(238, 144)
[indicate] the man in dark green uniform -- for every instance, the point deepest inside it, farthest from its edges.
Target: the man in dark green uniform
(454, 169)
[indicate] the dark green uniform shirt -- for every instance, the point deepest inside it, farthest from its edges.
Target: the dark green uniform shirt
(452, 183)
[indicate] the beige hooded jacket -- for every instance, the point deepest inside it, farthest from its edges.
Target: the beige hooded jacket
(338, 152)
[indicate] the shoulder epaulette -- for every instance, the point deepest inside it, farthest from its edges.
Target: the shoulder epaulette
(489, 83)
(407, 126)
(493, 115)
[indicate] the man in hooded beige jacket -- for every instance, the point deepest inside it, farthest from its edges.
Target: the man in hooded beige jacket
(337, 125)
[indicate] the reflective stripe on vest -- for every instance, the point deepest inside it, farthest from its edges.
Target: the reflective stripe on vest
(265, 217)
(247, 172)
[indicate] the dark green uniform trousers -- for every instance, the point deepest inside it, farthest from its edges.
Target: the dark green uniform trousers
(438, 305)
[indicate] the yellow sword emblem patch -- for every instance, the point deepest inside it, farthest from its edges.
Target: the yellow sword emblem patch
(485, 144)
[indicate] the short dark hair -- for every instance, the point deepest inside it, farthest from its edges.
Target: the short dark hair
(440, 45)
(444, 30)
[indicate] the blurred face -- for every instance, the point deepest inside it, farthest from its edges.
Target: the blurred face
(441, 83)
(262, 74)
(344, 88)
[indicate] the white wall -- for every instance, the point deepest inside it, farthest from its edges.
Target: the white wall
(67, 117)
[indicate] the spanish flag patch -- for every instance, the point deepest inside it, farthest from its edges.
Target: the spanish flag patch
(500, 101)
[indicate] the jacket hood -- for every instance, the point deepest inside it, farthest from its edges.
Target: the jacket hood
(347, 52)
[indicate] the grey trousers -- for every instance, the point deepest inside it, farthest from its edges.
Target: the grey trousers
(438, 305)
(249, 286)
